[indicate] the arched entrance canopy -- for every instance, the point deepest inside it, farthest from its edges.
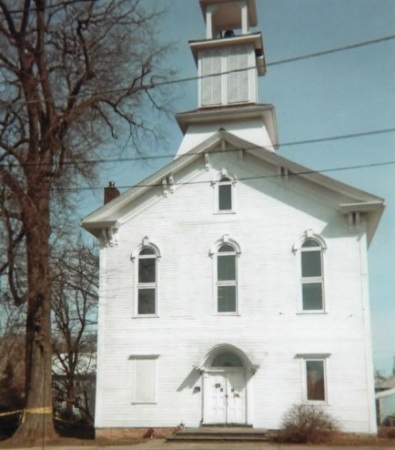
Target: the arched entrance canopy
(226, 355)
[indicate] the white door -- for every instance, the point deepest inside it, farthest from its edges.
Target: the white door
(224, 398)
(236, 402)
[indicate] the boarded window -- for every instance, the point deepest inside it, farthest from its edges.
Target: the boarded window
(143, 379)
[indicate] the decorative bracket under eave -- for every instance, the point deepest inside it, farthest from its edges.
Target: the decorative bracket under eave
(168, 185)
(283, 172)
(109, 236)
(206, 162)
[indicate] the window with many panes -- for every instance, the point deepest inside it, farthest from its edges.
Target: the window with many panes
(312, 276)
(315, 380)
(147, 282)
(226, 279)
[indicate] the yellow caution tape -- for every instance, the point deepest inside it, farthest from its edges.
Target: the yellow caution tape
(11, 413)
(41, 410)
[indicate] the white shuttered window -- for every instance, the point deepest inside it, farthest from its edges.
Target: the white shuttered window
(234, 85)
(237, 78)
(211, 86)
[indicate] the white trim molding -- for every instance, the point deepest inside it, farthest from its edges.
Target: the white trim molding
(309, 234)
(225, 239)
(145, 243)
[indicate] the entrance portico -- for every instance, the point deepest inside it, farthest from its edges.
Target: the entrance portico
(227, 386)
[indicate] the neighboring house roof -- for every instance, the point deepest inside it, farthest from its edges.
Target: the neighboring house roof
(348, 198)
(385, 384)
(386, 393)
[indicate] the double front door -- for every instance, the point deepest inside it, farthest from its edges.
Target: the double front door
(225, 397)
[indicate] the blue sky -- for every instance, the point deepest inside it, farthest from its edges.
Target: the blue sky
(342, 93)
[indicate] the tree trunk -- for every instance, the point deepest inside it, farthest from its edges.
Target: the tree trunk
(70, 399)
(37, 424)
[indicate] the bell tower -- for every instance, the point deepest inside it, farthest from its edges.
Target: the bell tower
(229, 61)
(231, 57)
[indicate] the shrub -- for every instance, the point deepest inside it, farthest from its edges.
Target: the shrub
(307, 424)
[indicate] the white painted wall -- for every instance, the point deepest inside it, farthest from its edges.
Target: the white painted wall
(271, 215)
(253, 130)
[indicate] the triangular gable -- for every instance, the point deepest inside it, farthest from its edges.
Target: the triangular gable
(355, 201)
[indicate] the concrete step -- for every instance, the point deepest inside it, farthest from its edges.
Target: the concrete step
(233, 434)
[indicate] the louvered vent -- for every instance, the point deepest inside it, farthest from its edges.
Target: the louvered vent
(236, 83)
(211, 85)
(238, 75)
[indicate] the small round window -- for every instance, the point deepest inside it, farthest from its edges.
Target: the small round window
(227, 359)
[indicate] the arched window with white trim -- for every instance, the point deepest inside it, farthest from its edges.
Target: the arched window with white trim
(226, 279)
(147, 281)
(225, 193)
(312, 278)
(225, 196)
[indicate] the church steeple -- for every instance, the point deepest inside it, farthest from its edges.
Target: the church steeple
(229, 61)
(231, 57)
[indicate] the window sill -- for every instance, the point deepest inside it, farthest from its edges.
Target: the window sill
(316, 402)
(307, 313)
(144, 403)
(146, 316)
(227, 314)
(220, 213)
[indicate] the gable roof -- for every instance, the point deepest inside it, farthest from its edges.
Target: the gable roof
(356, 200)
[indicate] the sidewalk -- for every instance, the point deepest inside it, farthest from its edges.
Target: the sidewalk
(159, 444)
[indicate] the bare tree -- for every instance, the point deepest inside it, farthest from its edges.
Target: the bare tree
(74, 306)
(12, 349)
(70, 71)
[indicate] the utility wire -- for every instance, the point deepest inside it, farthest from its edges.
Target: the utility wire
(252, 147)
(274, 63)
(153, 85)
(51, 6)
(333, 50)
(258, 177)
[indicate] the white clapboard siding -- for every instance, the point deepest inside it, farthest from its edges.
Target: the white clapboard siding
(271, 215)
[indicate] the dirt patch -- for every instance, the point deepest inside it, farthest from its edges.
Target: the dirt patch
(385, 439)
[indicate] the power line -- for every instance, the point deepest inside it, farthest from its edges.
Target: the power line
(333, 50)
(257, 177)
(154, 85)
(252, 147)
(52, 6)
(274, 63)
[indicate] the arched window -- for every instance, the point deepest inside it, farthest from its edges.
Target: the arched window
(226, 279)
(225, 197)
(147, 282)
(312, 275)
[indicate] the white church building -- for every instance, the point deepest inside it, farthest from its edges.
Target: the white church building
(233, 281)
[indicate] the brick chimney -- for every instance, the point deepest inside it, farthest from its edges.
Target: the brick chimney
(110, 192)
